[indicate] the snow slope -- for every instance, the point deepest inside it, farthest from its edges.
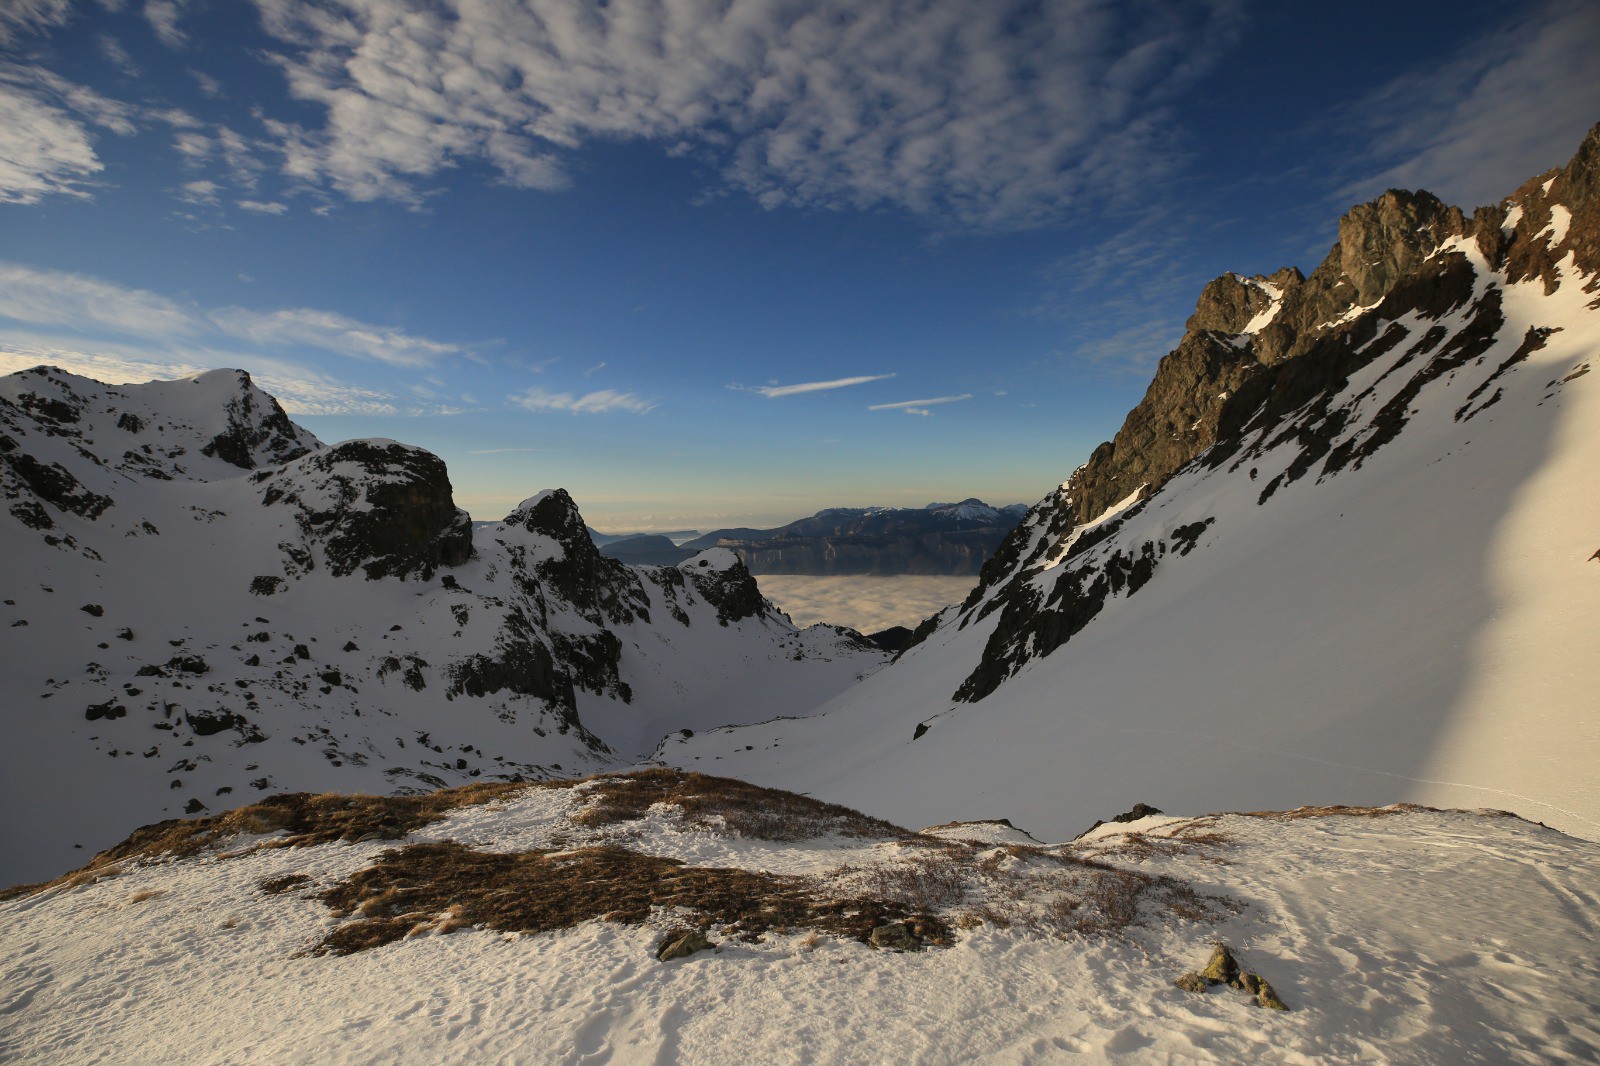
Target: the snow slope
(1378, 583)
(188, 625)
(1374, 930)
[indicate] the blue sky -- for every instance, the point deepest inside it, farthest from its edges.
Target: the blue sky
(706, 262)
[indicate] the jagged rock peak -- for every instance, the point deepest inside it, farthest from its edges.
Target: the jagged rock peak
(257, 431)
(603, 590)
(1231, 303)
(1384, 239)
(554, 513)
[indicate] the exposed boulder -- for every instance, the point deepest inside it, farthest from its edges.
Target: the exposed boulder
(896, 936)
(681, 943)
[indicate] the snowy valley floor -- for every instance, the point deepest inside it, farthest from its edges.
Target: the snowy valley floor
(1394, 936)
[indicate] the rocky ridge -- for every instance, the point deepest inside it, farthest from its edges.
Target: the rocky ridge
(1261, 363)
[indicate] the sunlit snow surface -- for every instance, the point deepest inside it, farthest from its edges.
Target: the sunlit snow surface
(1421, 628)
(1377, 932)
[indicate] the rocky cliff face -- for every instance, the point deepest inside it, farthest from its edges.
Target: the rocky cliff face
(1267, 361)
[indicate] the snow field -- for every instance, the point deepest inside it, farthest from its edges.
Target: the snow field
(1375, 930)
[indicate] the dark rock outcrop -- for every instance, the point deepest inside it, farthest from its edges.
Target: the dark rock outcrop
(729, 588)
(601, 589)
(378, 506)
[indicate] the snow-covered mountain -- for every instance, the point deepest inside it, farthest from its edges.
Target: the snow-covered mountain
(202, 603)
(1343, 551)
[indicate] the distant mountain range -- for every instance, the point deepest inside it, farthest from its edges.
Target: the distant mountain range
(941, 538)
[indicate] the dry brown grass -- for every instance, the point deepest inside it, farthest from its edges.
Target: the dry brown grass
(924, 881)
(304, 820)
(723, 802)
(441, 887)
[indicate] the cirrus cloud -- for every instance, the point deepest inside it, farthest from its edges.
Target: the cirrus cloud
(601, 401)
(771, 391)
(999, 115)
(58, 298)
(919, 407)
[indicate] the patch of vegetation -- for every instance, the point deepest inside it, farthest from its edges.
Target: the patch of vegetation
(447, 886)
(722, 802)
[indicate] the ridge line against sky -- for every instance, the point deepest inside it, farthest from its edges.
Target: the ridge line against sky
(449, 222)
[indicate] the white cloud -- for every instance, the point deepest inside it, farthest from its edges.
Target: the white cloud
(599, 402)
(260, 207)
(20, 17)
(998, 114)
(919, 407)
(163, 16)
(1513, 103)
(45, 144)
(117, 55)
(208, 85)
(199, 192)
(56, 298)
(43, 151)
(332, 332)
(810, 386)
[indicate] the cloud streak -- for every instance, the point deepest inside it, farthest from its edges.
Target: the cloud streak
(996, 115)
(602, 401)
(772, 391)
(332, 332)
(919, 407)
(43, 150)
(56, 298)
(20, 17)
